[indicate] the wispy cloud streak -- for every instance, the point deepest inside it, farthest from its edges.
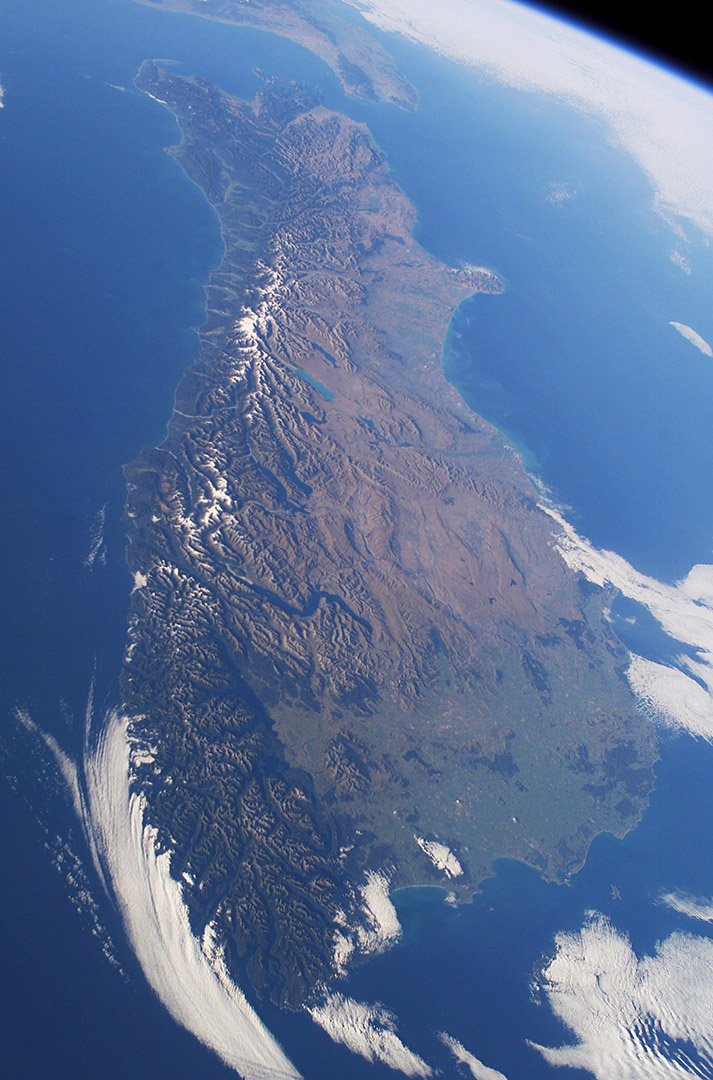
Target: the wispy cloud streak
(188, 976)
(368, 1030)
(693, 907)
(694, 337)
(477, 1069)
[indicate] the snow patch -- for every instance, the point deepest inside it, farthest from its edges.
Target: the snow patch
(255, 323)
(142, 755)
(140, 581)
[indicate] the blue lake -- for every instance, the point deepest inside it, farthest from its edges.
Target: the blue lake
(106, 250)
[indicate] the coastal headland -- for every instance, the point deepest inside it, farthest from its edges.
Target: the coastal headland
(354, 648)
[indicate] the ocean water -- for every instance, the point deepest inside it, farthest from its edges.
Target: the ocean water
(577, 361)
(106, 247)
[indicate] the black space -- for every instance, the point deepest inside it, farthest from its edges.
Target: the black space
(676, 35)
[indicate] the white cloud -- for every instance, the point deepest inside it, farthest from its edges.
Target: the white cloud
(64, 763)
(140, 581)
(189, 979)
(665, 121)
(680, 260)
(441, 856)
(682, 695)
(368, 1030)
(378, 926)
(694, 338)
(97, 547)
(477, 1069)
(382, 927)
(626, 1012)
(672, 695)
(692, 907)
(560, 193)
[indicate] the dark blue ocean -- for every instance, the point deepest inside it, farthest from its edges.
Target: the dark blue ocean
(105, 250)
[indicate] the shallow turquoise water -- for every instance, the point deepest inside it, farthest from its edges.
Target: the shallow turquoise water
(106, 250)
(577, 361)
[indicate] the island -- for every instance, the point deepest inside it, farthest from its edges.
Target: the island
(363, 67)
(356, 659)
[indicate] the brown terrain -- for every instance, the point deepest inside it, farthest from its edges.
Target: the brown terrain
(364, 69)
(351, 628)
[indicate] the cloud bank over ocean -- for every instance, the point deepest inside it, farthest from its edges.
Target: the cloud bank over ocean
(693, 907)
(368, 1030)
(663, 120)
(477, 1069)
(649, 1017)
(630, 1015)
(681, 695)
(188, 976)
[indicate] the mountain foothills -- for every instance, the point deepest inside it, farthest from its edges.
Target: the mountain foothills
(356, 660)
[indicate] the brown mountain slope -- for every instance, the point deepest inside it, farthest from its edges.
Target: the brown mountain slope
(351, 630)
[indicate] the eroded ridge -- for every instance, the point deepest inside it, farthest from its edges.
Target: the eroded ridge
(352, 642)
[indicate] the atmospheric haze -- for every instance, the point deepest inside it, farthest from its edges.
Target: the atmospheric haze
(663, 120)
(622, 1010)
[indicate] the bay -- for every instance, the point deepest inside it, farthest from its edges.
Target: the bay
(106, 250)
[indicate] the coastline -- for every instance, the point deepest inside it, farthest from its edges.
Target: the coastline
(392, 410)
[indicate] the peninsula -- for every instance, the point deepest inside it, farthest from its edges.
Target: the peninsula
(363, 67)
(355, 654)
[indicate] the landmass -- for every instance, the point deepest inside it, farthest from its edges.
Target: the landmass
(356, 659)
(363, 67)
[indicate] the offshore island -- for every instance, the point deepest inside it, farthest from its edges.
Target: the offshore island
(356, 659)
